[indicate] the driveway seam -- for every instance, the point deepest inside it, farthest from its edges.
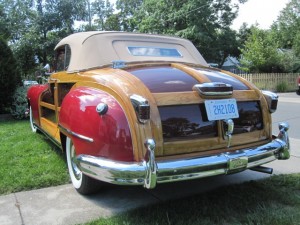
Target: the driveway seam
(18, 205)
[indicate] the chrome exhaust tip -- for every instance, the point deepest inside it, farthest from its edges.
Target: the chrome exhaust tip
(262, 169)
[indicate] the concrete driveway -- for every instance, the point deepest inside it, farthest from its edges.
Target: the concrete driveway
(63, 205)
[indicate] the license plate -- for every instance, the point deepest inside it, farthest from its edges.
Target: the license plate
(221, 109)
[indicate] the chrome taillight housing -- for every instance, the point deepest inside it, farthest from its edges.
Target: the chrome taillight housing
(272, 100)
(141, 107)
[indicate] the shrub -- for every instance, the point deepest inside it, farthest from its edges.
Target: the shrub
(282, 87)
(19, 108)
(9, 76)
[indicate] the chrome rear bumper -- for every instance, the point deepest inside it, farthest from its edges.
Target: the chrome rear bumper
(150, 172)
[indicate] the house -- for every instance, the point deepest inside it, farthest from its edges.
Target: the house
(232, 64)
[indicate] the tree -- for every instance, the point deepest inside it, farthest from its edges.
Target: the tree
(127, 11)
(42, 22)
(18, 16)
(9, 76)
(286, 32)
(113, 23)
(103, 10)
(227, 45)
(287, 26)
(4, 30)
(205, 22)
(25, 55)
(260, 52)
(243, 33)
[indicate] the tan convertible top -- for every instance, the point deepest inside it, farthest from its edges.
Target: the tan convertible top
(95, 49)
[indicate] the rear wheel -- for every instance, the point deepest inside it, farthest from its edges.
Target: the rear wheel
(298, 91)
(82, 183)
(33, 127)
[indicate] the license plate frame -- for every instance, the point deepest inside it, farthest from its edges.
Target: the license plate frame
(221, 109)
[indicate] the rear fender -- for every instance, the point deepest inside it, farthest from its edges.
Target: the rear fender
(33, 96)
(93, 134)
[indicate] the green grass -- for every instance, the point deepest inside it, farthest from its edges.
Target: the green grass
(28, 160)
(274, 201)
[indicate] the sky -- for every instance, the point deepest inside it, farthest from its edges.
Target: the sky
(264, 12)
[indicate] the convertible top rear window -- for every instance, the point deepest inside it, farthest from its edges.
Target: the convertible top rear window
(154, 51)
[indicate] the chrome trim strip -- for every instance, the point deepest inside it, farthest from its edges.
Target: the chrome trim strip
(149, 172)
(82, 137)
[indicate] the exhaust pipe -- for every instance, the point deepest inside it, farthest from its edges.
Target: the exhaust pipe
(262, 169)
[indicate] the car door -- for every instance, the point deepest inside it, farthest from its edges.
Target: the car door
(51, 99)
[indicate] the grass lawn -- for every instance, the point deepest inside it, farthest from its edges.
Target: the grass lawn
(273, 201)
(28, 160)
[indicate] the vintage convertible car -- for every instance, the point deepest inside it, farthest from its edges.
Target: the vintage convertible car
(138, 109)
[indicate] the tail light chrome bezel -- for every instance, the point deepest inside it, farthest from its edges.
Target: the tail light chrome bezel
(272, 100)
(141, 107)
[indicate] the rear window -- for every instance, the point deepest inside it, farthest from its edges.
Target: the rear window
(154, 51)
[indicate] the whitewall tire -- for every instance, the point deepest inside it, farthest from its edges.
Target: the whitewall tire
(81, 182)
(33, 127)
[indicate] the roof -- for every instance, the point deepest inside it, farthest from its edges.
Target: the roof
(231, 61)
(94, 49)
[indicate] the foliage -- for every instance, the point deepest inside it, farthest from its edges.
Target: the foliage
(205, 22)
(103, 10)
(19, 103)
(18, 17)
(9, 76)
(45, 22)
(289, 61)
(4, 31)
(25, 55)
(287, 25)
(260, 53)
(286, 32)
(282, 87)
(28, 160)
(40, 22)
(127, 13)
